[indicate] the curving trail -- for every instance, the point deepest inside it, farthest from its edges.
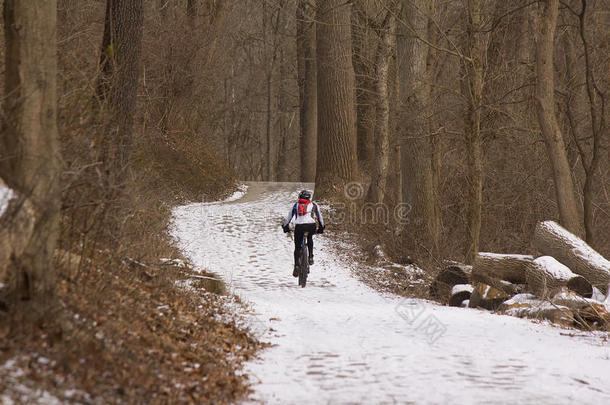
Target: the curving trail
(338, 341)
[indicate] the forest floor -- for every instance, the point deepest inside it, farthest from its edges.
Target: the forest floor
(339, 340)
(155, 332)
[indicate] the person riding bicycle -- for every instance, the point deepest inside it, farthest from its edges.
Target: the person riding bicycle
(305, 212)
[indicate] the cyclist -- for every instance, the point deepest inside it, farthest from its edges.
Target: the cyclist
(305, 212)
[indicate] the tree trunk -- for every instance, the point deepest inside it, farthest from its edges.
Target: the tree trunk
(337, 161)
(473, 91)
(30, 162)
(308, 91)
(416, 149)
(364, 44)
(488, 297)
(545, 107)
(444, 282)
(545, 277)
(597, 104)
(191, 12)
(118, 82)
(459, 294)
(377, 190)
(505, 267)
(553, 240)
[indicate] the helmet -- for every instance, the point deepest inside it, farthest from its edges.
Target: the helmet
(305, 194)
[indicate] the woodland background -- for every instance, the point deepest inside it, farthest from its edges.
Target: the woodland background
(484, 116)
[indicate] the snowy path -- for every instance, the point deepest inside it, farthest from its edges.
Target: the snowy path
(338, 341)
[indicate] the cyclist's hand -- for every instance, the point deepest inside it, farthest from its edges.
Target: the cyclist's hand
(286, 229)
(321, 229)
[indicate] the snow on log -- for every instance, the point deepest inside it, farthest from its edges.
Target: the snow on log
(528, 306)
(553, 240)
(445, 280)
(545, 276)
(486, 296)
(459, 294)
(500, 266)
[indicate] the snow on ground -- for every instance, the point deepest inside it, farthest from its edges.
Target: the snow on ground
(339, 341)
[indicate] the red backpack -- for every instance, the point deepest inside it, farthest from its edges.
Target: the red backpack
(302, 207)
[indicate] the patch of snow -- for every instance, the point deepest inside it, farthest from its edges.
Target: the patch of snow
(554, 267)
(505, 255)
(339, 341)
(173, 262)
(458, 288)
(242, 189)
(598, 295)
(521, 299)
(6, 195)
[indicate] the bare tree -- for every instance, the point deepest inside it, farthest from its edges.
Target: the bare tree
(30, 160)
(387, 30)
(365, 41)
(545, 107)
(118, 82)
(308, 92)
(595, 100)
(473, 87)
(417, 146)
(337, 160)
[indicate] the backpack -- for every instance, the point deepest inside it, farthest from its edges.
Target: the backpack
(302, 207)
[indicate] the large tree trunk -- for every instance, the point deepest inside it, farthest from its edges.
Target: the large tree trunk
(473, 91)
(30, 158)
(337, 161)
(545, 107)
(553, 240)
(364, 41)
(308, 91)
(382, 126)
(118, 83)
(416, 149)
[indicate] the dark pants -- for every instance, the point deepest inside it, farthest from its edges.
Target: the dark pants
(299, 231)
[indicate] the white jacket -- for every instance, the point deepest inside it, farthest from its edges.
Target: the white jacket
(312, 212)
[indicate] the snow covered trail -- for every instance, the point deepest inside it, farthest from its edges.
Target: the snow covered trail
(338, 341)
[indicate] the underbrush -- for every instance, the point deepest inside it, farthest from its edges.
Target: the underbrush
(129, 334)
(126, 327)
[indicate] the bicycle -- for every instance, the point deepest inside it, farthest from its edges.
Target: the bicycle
(303, 264)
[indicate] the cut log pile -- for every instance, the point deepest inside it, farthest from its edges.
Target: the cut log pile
(568, 284)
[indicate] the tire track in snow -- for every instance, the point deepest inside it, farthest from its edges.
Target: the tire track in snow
(338, 341)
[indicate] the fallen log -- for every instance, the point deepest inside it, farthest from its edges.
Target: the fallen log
(445, 280)
(545, 276)
(528, 306)
(497, 266)
(587, 312)
(459, 294)
(553, 240)
(486, 296)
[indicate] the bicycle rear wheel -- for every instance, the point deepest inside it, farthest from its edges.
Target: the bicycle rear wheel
(303, 266)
